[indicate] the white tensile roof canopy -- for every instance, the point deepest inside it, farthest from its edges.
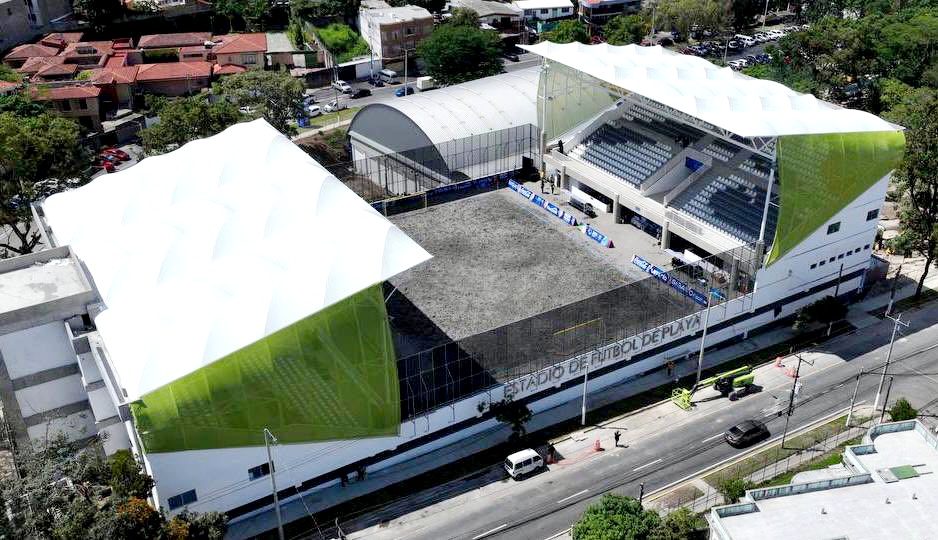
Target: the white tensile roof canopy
(202, 251)
(738, 103)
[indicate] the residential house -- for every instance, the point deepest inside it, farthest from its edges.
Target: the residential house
(545, 10)
(23, 20)
(173, 41)
(174, 79)
(227, 69)
(81, 103)
(390, 30)
(117, 86)
(598, 12)
(55, 72)
(94, 53)
(282, 52)
(60, 40)
(19, 55)
(503, 17)
(246, 50)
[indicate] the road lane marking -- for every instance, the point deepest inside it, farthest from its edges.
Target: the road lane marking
(565, 499)
(711, 438)
(486, 533)
(647, 465)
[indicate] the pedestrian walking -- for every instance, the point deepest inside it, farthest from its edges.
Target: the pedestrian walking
(616, 436)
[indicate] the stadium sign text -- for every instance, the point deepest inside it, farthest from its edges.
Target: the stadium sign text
(610, 354)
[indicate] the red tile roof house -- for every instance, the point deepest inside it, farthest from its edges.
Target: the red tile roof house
(174, 41)
(94, 53)
(55, 72)
(60, 39)
(246, 50)
(174, 79)
(117, 85)
(19, 55)
(81, 103)
(7, 88)
(35, 64)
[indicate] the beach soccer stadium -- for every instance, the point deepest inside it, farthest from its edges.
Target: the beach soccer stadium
(491, 240)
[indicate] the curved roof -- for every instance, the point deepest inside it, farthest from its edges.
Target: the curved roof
(472, 108)
(720, 96)
(210, 248)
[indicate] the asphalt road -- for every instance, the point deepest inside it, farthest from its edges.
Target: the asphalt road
(548, 503)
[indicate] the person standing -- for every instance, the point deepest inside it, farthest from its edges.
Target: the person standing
(616, 436)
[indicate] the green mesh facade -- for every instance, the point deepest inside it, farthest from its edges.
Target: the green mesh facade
(573, 97)
(821, 174)
(330, 376)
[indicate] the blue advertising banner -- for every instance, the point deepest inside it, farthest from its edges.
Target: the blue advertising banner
(675, 283)
(597, 236)
(542, 202)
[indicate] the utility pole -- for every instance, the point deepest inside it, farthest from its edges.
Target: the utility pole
(766, 14)
(854, 400)
(897, 320)
(892, 293)
(886, 401)
(585, 383)
(703, 340)
(268, 437)
(791, 400)
(641, 492)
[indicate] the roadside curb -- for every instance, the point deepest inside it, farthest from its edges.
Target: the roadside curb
(654, 495)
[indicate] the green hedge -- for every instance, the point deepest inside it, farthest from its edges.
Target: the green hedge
(160, 56)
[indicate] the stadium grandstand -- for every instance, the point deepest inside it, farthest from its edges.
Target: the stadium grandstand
(713, 204)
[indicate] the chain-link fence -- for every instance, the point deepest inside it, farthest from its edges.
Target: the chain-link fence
(446, 373)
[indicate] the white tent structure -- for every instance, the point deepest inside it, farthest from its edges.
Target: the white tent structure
(726, 99)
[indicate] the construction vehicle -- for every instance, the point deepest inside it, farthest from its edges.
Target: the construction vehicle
(733, 384)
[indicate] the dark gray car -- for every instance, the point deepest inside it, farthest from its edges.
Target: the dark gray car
(746, 433)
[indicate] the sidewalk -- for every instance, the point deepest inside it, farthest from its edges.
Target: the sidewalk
(573, 448)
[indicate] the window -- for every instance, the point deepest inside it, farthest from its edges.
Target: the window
(565, 10)
(841, 256)
(832, 259)
(182, 499)
(822, 263)
(249, 58)
(872, 214)
(545, 11)
(813, 266)
(82, 103)
(65, 105)
(866, 246)
(260, 471)
(833, 227)
(409, 31)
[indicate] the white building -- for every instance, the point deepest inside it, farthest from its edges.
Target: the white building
(545, 10)
(389, 31)
(501, 16)
(886, 489)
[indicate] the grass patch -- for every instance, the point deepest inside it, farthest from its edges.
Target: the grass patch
(342, 42)
(326, 120)
(911, 302)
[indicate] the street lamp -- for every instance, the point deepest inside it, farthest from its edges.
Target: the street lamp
(268, 438)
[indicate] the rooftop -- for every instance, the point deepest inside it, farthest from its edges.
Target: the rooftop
(40, 279)
(279, 42)
(53, 69)
(173, 71)
(181, 39)
(30, 50)
(396, 14)
(542, 4)
(488, 8)
(34, 64)
(48, 93)
(897, 501)
(239, 43)
(114, 75)
(228, 69)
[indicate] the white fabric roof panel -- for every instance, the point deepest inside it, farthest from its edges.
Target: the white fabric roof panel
(720, 96)
(204, 250)
(542, 4)
(474, 107)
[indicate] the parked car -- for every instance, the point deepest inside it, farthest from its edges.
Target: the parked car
(401, 92)
(360, 93)
(745, 433)
(246, 110)
(523, 462)
(313, 110)
(116, 152)
(745, 40)
(342, 86)
(334, 106)
(377, 83)
(105, 164)
(510, 56)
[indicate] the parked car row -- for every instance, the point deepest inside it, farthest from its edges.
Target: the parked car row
(736, 43)
(750, 60)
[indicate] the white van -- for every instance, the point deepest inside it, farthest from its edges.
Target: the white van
(523, 462)
(388, 76)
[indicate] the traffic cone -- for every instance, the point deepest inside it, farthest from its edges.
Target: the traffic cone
(597, 447)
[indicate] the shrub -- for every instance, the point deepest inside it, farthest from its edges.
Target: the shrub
(902, 410)
(160, 56)
(733, 489)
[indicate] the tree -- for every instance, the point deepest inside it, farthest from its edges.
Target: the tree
(827, 310)
(616, 517)
(250, 11)
(682, 15)
(39, 155)
(464, 17)
(626, 29)
(455, 53)
(8, 74)
(902, 410)
(733, 489)
(681, 524)
(567, 31)
(98, 13)
(21, 106)
(917, 177)
(743, 12)
(276, 93)
(514, 413)
(127, 476)
(186, 119)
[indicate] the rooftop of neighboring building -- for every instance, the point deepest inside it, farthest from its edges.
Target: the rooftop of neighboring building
(57, 70)
(88, 48)
(113, 75)
(386, 15)
(173, 71)
(228, 69)
(36, 63)
(488, 8)
(7, 87)
(180, 39)
(60, 39)
(55, 93)
(542, 4)
(240, 43)
(889, 494)
(39, 278)
(31, 50)
(279, 42)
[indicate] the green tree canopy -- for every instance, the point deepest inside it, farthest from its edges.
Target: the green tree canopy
(616, 518)
(275, 93)
(567, 31)
(626, 29)
(8, 74)
(99, 13)
(127, 477)
(252, 12)
(902, 410)
(186, 119)
(21, 105)
(39, 155)
(733, 489)
(455, 53)
(340, 40)
(464, 17)
(514, 413)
